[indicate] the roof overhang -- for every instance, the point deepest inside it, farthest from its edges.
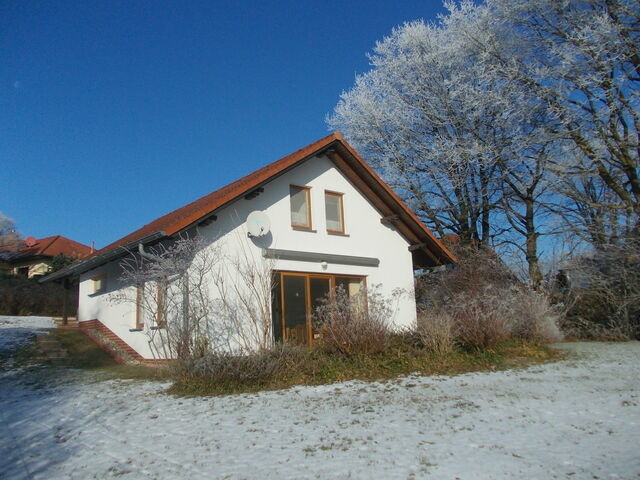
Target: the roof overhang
(426, 249)
(82, 266)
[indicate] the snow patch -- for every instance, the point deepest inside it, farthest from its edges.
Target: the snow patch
(16, 332)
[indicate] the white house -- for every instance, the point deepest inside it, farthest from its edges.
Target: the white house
(333, 221)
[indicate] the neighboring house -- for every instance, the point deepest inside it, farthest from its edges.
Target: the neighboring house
(34, 256)
(333, 221)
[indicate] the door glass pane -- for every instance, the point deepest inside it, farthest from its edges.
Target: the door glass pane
(320, 288)
(351, 286)
(295, 308)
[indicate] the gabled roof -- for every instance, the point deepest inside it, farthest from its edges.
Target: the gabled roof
(52, 246)
(427, 249)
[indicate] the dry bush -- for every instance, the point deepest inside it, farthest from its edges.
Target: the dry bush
(535, 318)
(605, 293)
(436, 331)
(194, 298)
(254, 368)
(354, 325)
(482, 319)
(481, 303)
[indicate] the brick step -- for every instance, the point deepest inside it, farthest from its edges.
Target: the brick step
(110, 342)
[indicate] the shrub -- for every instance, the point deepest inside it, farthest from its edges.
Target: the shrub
(228, 369)
(354, 325)
(436, 331)
(534, 317)
(482, 319)
(481, 303)
(605, 293)
(25, 296)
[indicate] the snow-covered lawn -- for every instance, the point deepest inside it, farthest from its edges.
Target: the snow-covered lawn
(578, 418)
(19, 331)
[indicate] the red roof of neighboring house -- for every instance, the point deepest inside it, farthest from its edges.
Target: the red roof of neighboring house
(428, 248)
(55, 245)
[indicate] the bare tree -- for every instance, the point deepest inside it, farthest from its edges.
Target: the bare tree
(167, 286)
(194, 298)
(243, 290)
(605, 284)
(592, 212)
(10, 239)
(581, 58)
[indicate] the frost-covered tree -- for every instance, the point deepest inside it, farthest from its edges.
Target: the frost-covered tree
(581, 58)
(9, 237)
(461, 145)
(503, 111)
(410, 119)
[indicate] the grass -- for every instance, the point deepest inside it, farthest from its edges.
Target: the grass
(307, 367)
(84, 354)
(316, 367)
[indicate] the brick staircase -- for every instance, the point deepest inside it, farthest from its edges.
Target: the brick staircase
(111, 343)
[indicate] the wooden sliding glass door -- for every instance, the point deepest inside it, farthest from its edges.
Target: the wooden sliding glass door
(295, 299)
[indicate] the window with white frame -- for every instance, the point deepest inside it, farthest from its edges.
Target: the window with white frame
(300, 198)
(99, 283)
(334, 212)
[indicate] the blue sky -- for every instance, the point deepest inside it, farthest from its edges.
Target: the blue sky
(113, 113)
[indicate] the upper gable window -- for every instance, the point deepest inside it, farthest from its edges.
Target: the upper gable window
(334, 212)
(300, 206)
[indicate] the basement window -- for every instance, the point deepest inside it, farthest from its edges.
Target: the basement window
(99, 283)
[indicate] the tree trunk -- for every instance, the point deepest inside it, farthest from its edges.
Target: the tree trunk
(531, 244)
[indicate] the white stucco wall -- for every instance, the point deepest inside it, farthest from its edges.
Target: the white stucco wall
(364, 236)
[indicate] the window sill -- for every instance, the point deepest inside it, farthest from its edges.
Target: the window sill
(338, 234)
(303, 229)
(135, 329)
(157, 327)
(95, 294)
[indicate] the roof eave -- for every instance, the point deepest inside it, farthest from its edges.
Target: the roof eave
(75, 269)
(434, 249)
(253, 187)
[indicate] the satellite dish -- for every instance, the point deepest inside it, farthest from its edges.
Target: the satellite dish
(258, 224)
(30, 241)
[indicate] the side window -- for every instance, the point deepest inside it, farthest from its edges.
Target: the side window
(99, 283)
(140, 305)
(300, 198)
(334, 212)
(161, 302)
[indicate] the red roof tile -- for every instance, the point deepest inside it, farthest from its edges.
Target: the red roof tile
(56, 245)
